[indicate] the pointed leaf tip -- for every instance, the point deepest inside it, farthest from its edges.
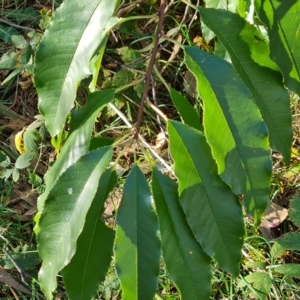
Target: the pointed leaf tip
(137, 247)
(64, 214)
(212, 210)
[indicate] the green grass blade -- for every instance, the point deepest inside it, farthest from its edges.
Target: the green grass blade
(234, 129)
(64, 214)
(187, 264)
(250, 55)
(212, 210)
(62, 58)
(83, 275)
(282, 21)
(137, 247)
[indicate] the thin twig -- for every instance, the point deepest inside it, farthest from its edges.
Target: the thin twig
(158, 112)
(159, 33)
(16, 26)
(21, 272)
(141, 139)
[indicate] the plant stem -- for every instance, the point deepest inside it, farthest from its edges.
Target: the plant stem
(159, 33)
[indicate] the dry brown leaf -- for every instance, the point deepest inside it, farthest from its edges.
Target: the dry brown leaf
(161, 141)
(25, 84)
(23, 191)
(273, 216)
(8, 280)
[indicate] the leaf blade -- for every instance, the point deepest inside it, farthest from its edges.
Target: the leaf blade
(250, 57)
(182, 254)
(87, 268)
(282, 21)
(77, 144)
(58, 69)
(137, 247)
(217, 225)
(64, 214)
(239, 141)
(187, 113)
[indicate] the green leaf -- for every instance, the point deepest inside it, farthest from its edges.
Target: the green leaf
(282, 21)
(64, 214)
(97, 142)
(277, 251)
(261, 282)
(19, 41)
(294, 211)
(290, 241)
(23, 161)
(250, 55)
(15, 175)
(137, 247)
(63, 56)
(291, 270)
(187, 113)
(83, 275)
(187, 264)
(8, 61)
(6, 33)
(77, 144)
(29, 138)
(2, 157)
(234, 129)
(95, 64)
(212, 210)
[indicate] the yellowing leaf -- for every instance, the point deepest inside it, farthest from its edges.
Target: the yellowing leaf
(19, 142)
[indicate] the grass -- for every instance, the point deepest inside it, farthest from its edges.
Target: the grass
(17, 237)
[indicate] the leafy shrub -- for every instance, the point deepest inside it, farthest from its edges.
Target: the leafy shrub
(221, 164)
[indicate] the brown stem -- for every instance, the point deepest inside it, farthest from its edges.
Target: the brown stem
(159, 33)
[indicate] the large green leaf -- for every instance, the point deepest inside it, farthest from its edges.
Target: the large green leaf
(137, 247)
(64, 214)
(187, 264)
(83, 275)
(283, 23)
(250, 56)
(62, 58)
(77, 144)
(212, 210)
(234, 129)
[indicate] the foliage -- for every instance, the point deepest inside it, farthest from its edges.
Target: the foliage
(192, 215)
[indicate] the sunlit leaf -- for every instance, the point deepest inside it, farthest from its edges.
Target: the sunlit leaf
(250, 55)
(77, 144)
(83, 275)
(234, 129)
(63, 56)
(282, 21)
(212, 210)
(64, 214)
